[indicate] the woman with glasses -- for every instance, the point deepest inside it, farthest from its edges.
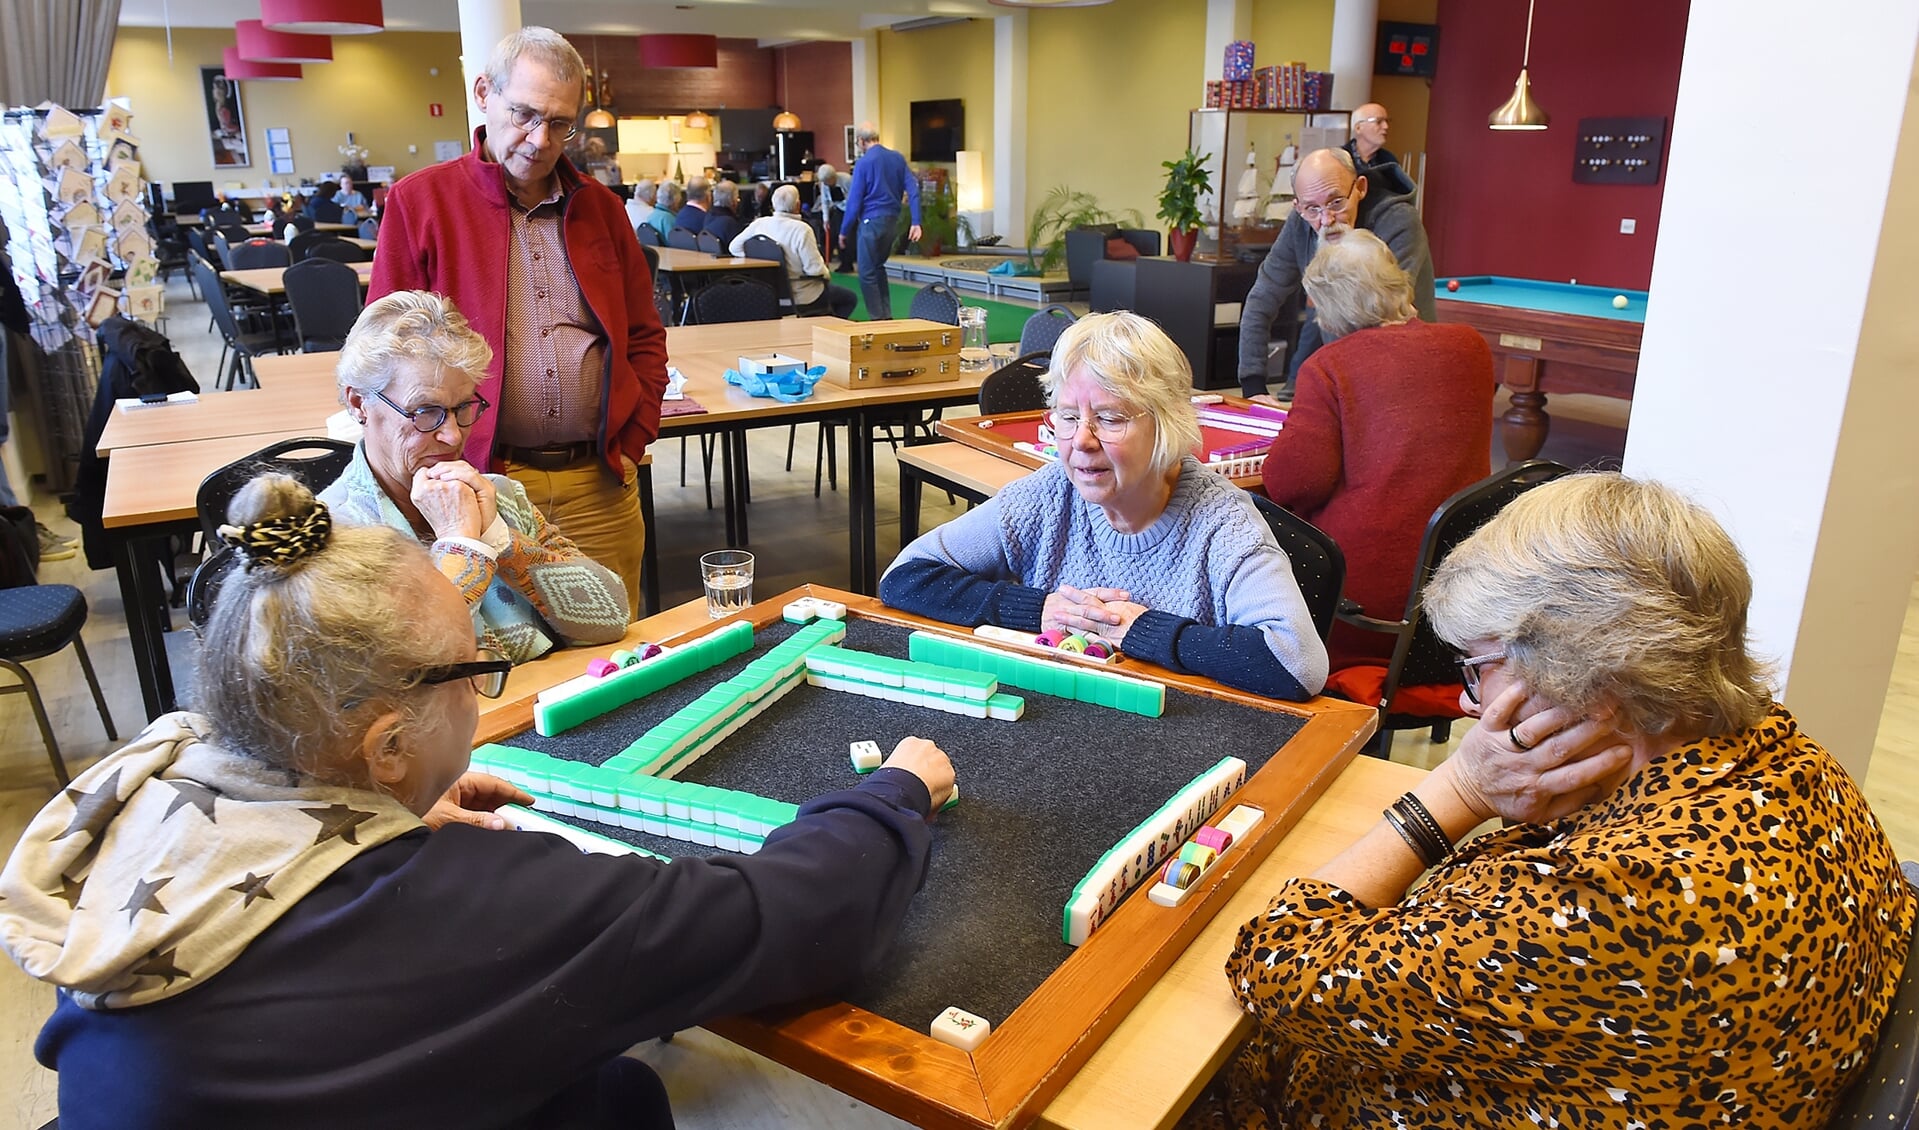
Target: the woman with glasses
(1392, 417)
(1126, 536)
(1688, 918)
(410, 373)
(251, 924)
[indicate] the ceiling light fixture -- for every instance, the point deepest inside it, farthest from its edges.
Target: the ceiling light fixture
(698, 120)
(323, 17)
(1520, 112)
(241, 70)
(597, 117)
(259, 45)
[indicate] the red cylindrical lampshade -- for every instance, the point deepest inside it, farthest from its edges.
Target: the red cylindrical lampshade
(258, 45)
(240, 70)
(323, 17)
(679, 50)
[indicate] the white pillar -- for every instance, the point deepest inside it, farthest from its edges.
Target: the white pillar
(866, 82)
(1775, 380)
(1355, 34)
(1226, 21)
(1009, 127)
(483, 23)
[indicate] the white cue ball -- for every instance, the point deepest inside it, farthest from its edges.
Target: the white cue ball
(1619, 302)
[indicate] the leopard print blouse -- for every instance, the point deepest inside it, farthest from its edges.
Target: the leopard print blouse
(1716, 943)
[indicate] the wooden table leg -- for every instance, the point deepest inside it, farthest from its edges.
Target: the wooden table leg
(1526, 422)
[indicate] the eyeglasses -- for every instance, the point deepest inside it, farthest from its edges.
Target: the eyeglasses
(1469, 672)
(430, 418)
(1109, 426)
(527, 121)
(1364, 121)
(488, 673)
(1315, 212)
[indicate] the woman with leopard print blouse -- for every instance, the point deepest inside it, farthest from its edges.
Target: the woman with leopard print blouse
(1690, 917)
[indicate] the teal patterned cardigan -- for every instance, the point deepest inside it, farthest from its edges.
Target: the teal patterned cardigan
(539, 594)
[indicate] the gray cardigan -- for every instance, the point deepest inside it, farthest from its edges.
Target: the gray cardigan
(1394, 219)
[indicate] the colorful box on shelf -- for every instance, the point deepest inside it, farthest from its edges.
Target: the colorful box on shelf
(1238, 64)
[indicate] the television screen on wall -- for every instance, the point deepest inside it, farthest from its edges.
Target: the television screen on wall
(939, 130)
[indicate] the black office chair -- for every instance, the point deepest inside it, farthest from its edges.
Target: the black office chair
(301, 245)
(710, 243)
(35, 622)
(338, 250)
(243, 345)
(682, 239)
(325, 297)
(735, 300)
(1044, 327)
(935, 302)
(649, 236)
(1015, 386)
(1318, 563)
(1420, 659)
(1887, 1095)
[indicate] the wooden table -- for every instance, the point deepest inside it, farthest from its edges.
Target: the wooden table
(968, 472)
(271, 281)
(686, 272)
(268, 230)
(289, 397)
(1181, 1025)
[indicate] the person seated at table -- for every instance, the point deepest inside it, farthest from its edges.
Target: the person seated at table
(723, 222)
(1126, 536)
(1389, 420)
(323, 207)
(813, 289)
(692, 215)
(286, 908)
(351, 201)
(409, 373)
(639, 208)
(669, 200)
(1689, 918)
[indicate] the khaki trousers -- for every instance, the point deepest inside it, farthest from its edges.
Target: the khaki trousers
(596, 513)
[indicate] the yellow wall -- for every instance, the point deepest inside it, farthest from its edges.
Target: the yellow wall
(377, 86)
(949, 61)
(1293, 31)
(1108, 90)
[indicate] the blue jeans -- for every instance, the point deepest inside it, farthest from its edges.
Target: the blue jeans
(876, 243)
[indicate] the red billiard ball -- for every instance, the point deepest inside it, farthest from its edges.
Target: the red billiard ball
(1452, 284)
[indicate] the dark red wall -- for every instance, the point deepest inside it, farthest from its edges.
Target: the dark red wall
(1505, 203)
(744, 77)
(815, 81)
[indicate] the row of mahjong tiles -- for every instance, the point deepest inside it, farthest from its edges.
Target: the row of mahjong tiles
(1045, 798)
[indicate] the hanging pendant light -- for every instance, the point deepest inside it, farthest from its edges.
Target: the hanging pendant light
(698, 120)
(1520, 112)
(786, 121)
(597, 117)
(258, 45)
(241, 70)
(323, 17)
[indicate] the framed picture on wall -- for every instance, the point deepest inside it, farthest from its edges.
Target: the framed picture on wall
(852, 146)
(226, 123)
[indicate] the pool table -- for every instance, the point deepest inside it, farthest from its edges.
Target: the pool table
(1548, 337)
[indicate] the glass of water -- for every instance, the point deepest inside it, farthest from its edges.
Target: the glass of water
(728, 575)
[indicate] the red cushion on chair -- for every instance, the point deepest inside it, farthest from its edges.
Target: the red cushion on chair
(1118, 249)
(1366, 684)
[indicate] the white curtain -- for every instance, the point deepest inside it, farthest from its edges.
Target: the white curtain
(56, 50)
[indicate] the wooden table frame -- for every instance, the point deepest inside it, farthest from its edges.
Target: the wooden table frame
(1032, 1054)
(271, 281)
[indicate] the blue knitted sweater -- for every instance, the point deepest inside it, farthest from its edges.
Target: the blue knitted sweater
(1223, 600)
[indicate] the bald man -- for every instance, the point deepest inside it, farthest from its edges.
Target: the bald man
(1330, 198)
(1368, 147)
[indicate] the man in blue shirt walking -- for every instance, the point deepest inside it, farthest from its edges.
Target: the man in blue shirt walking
(880, 179)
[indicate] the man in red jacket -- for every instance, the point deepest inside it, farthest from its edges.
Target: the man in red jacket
(542, 262)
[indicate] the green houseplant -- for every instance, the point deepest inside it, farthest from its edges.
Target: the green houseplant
(939, 218)
(1061, 210)
(1187, 179)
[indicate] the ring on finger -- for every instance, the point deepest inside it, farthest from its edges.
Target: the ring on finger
(1512, 735)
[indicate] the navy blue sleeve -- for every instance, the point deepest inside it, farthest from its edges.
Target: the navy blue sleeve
(929, 587)
(1235, 654)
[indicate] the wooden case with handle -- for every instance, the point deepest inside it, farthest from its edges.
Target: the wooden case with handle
(901, 351)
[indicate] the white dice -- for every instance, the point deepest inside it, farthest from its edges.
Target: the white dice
(961, 1029)
(866, 756)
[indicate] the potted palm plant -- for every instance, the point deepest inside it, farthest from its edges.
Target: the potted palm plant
(1186, 180)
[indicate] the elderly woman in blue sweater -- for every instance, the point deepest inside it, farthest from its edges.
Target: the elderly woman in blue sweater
(1127, 536)
(410, 374)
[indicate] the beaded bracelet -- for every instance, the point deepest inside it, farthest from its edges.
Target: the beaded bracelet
(1413, 840)
(1417, 827)
(1418, 810)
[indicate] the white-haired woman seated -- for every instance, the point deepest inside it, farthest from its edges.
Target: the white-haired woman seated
(251, 926)
(1127, 536)
(1690, 919)
(410, 372)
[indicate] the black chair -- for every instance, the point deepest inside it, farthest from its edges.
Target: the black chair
(765, 247)
(1044, 327)
(35, 622)
(256, 254)
(1887, 1094)
(233, 233)
(301, 245)
(314, 460)
(1419, 657)
(172, 253)
(735, 300)
(197, 243)
(710, 243)
(935, 302)
(325, 297)
(243, 345)
(1318, 563)
(649, 235)
(1015, 386)
(682, 239)
(338, 250)
(1115, 286)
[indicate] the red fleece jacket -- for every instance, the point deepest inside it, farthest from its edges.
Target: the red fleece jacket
(1387, 424)
(446, 229)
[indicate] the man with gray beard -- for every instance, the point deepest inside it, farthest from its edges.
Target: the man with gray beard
(1330, 198)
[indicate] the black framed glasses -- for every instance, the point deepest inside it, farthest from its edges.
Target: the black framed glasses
(1469, 672)
(430, 418)
(527, 120)
(488, 673)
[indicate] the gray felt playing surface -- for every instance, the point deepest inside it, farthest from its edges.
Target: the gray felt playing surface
(1041, 800)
